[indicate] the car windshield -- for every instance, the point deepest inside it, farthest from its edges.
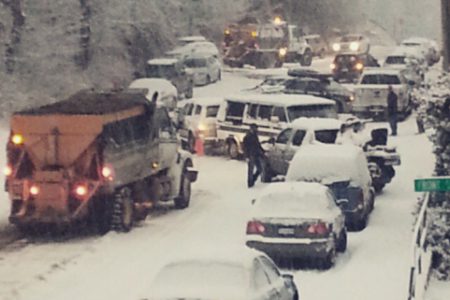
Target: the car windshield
(211, 111)
(396, 60)
(326, 136)
(380, 79)
(195, 62)
(349, 38)
(312, 111)
(161, 71)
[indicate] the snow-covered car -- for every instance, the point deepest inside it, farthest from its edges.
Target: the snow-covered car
(281, 149)
(205, 68)
(174, 71)
(344, 169)
(318, 45)
(199, 121)
(271, 84)
(402, 59)
(297, 220)
(194, 48)
(348, 67)
(167, 92)
(352, 43)
(372, 90)
(423, 47)
(184, 40)
(242, 274)
(271, 112)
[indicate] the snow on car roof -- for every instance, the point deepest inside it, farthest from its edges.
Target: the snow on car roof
(162, 61)
(192, 38)
(328, 163)
(316, 123)
(293, 200)
(403, 51)
(280, 99)
(415, 40)
(160, 85)
(385, 71)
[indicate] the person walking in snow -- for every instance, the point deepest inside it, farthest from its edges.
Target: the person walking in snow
(392, 110)
(254, 153)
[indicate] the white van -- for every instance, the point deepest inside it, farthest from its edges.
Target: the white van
(271, 113)
(199, 120)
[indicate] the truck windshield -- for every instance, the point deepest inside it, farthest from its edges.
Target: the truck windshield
(312, 111)
(396, 60)
(160, 71)
(195, 63)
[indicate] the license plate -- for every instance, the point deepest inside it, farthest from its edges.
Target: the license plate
(286, 231)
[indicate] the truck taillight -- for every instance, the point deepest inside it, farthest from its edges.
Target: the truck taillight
(8, 170)
(255, 227)
(108, 172)
(34, 190)
(318, 228)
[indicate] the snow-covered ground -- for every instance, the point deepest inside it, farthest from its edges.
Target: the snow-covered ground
(121, 266)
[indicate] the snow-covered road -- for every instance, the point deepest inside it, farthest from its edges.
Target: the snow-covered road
(120, 266)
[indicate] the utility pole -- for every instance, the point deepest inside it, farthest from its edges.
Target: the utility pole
(445, 7)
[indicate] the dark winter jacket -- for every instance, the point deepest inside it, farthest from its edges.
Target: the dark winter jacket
(252, 146)
(392, 103)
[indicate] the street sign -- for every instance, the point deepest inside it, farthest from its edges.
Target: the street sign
(435, 184)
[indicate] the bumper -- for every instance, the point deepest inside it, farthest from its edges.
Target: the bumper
(293, 248)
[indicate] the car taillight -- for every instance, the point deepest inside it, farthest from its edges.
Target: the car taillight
(108, 172)
(81, 190)
(318, 228)
(255, 227)
(8, 171)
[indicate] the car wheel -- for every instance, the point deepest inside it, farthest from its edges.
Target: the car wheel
(342, 241)
(191, 143)
(233, 151)
(378, 186)
(183, 199)
(123, 211)
(208, 79)
(361, 223)
(329, 261)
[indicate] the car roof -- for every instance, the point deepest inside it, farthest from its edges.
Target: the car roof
(198, 55)
(416, 40)
(316, 123)
(403, 51)
(299, 188)
(280, 99)
(203, 101)
(162, 61)
(192, 38)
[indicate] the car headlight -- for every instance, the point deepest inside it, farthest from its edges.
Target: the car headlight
(336, 47)
(354, 46)
(359, 66)
(201, 127)
(282, 52)
(333, 66)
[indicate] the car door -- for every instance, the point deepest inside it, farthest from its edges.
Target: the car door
(167, 138)
(276, 280)
(263, 288)
(292, 146)
(276, 152)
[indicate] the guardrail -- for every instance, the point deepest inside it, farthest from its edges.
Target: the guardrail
(421, 264)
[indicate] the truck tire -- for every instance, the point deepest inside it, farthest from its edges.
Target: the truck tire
(306, 58)
(122, 218)
(100, 214)
(232, 150)
(184, 197)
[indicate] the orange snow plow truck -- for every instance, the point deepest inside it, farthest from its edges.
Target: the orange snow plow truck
(102, 157)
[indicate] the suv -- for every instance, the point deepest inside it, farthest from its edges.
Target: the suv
(174, 71)
(348, 67)
(271, 113)
(199, 121)
(343, 168)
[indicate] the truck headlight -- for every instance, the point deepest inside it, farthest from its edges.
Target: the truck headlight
(354, 46)
(282, 52)
(359, 66)
(336, 47)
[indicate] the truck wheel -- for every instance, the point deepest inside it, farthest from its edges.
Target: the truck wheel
(233, 151)
(306, 58)
(123, 211)
(341, 243)
(183, 199)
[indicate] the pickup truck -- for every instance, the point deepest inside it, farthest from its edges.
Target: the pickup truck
(372, 90)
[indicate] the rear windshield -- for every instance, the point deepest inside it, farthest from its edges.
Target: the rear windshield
(160, 71)
(312, 111)
(326, 136)
(195, 63)
(294, 84)
(396, 60)
(211, 111)
(380, 79)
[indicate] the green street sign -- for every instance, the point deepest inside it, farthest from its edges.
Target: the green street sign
(435, 184)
